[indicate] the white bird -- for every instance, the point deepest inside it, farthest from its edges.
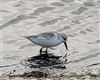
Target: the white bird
(48, 39)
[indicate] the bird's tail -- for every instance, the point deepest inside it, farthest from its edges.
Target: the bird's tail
(27, 37)
(31, 38)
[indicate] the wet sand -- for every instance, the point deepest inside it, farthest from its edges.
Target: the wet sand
(79, 20)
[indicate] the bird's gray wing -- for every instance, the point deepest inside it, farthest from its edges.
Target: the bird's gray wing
(47, 35)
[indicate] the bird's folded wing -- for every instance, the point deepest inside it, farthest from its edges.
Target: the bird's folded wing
(47, 35)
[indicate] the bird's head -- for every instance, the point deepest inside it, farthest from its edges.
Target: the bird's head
(64, 39)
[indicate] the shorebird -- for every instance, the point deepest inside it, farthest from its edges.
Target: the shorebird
(48, 39)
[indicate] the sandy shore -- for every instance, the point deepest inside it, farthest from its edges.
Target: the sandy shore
(87, 77)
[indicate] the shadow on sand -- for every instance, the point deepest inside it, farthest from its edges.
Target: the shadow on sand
(45, 60)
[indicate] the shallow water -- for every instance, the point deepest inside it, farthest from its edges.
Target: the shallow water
(78, 19)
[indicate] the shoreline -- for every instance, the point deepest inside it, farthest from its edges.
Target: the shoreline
(85, 77)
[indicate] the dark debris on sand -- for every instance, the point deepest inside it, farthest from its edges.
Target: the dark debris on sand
(36, 74)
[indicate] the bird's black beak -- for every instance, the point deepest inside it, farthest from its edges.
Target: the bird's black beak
(66, 45)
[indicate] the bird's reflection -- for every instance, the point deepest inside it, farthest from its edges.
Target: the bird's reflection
(45, 60)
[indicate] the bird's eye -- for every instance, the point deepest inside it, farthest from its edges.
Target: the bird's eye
(64, 38)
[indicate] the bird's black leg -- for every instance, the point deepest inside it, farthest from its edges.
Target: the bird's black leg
(46, 51)
(41, 51)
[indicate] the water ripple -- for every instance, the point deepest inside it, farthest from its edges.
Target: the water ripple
(50, 22)
(15, 20)
(90, 4)
(42, 10)
(67, 1)
(79, 10)
(57, 4)
(85, 58)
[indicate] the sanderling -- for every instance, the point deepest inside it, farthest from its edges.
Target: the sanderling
(48, 39)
